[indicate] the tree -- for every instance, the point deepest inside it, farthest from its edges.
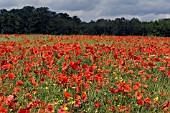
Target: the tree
(135, 27)
(25, 14)
(8, 23)
(30, 20)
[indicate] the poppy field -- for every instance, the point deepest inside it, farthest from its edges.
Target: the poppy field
(84, 74)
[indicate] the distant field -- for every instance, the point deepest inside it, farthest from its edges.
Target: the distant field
(84, 74)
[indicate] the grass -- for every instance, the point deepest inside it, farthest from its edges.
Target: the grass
(84, 74)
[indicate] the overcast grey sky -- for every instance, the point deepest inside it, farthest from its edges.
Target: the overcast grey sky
(86, 10)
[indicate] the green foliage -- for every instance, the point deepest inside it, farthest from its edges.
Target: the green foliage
(30, 20)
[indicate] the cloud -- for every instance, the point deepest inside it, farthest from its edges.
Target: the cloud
(10, 4)
(136, 7)
(72, 5)
(87, 10)
(69, 5)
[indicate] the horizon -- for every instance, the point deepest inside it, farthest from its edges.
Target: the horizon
(144, 10)
(91, 20)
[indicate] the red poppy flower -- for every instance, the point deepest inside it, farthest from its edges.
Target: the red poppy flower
(122, 108)
(11, 76)
(35, 84)
(154, 79)
(35, 50)
(3, 110)
(84, 96)
(138, 95)
(138, 59)
(112, 90)
(140, 102)
(127, 88)
(3, 51)
(19, 83)
(113, 108)
(138, 84)
(147, 100)
(77, 103)
(66, 94)
(161, 68)
(135, 87)
(22, 110)
(50, 108)
(10, 98)
(97, 104)
(165, 105)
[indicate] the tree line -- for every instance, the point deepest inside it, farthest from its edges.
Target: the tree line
(31, 20)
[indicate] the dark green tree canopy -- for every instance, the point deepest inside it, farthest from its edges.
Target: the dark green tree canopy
(31, 20)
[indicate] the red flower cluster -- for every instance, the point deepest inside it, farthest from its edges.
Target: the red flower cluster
(67, 74)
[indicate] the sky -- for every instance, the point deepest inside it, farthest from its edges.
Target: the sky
(87, 10)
